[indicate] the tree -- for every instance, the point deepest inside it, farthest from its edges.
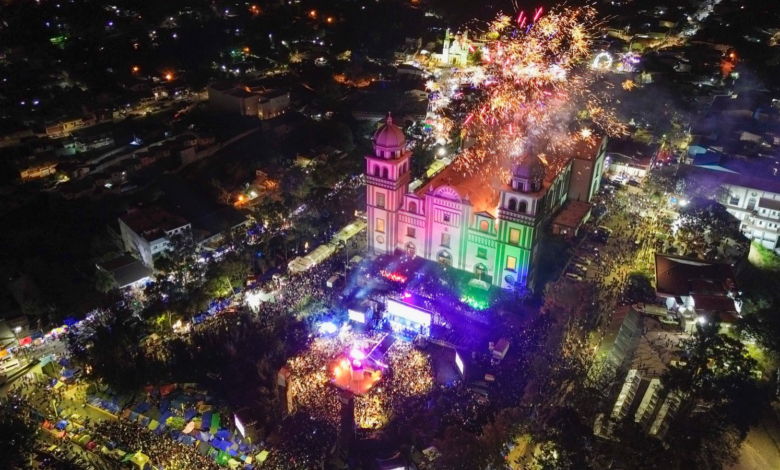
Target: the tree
(550, 457)
(763, 326)
(639, 288)
(115, 354)
(104, 282)
(17, 436)
(181, 260)
(706, 217)
(720, 398)
(461, 450)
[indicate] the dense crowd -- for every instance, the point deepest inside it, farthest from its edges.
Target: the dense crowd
(408, 375)
(161, 449)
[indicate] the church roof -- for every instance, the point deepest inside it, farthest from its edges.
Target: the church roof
(473, 189)
(389, 136)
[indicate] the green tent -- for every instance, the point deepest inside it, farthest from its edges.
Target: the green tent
(214, 423)
(223, 458)
(140, 460)
(128, 456)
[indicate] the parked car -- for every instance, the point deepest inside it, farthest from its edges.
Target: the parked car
(582, 260)
(573, 277)
(669, 320)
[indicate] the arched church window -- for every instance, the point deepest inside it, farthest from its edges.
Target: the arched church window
(413, 207)
(484, 226)
(523, 207)
(376, 171)
(512, 204)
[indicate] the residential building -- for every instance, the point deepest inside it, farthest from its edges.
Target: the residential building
(587, 168)
(629, 158)
(489, 228)
(147, 231)
(231, 99)
(246, 101)
(751, 191)
(273, 103)
(697, 289)
(127, 271)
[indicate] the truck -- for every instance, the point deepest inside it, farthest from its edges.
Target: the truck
(500, 349)
(334, 281)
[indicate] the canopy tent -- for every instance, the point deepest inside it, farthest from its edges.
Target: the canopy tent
(318, 255)
(222, 458)
(142, 407)
(203, 448)
(349, 231)
(206, 421)
(189, 427)
(140, 460)
(214, 423)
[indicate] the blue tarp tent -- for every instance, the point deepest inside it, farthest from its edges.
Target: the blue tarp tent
(142, 407)
(223, 434)
(62, 425)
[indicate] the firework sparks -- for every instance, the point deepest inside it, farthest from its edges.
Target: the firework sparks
(534, 79)
(629, 85)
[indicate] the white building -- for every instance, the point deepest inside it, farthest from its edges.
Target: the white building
(752, 192)
(488, 228)
(147, 231)
(246, 101)
(455, 50)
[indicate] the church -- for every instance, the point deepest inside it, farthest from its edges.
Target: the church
(462, 221)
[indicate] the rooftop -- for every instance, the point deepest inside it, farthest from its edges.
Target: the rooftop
(471, 189)
(573, 214)
(151, 219)
(757, 172)
(678, 276)
(126, 270)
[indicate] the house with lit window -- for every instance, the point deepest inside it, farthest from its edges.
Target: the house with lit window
(488, 228)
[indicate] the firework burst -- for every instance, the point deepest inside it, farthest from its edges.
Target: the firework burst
(532, 84)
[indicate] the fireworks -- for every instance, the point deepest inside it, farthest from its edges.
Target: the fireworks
(629, 85)
(521, 101)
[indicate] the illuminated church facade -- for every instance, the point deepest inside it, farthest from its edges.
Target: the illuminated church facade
(461, 221)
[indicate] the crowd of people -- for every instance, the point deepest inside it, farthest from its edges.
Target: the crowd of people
(161, 449)
(408, 375)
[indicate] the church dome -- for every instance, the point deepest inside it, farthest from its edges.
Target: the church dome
(389, 137)
(527, 175)
(529, 169)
